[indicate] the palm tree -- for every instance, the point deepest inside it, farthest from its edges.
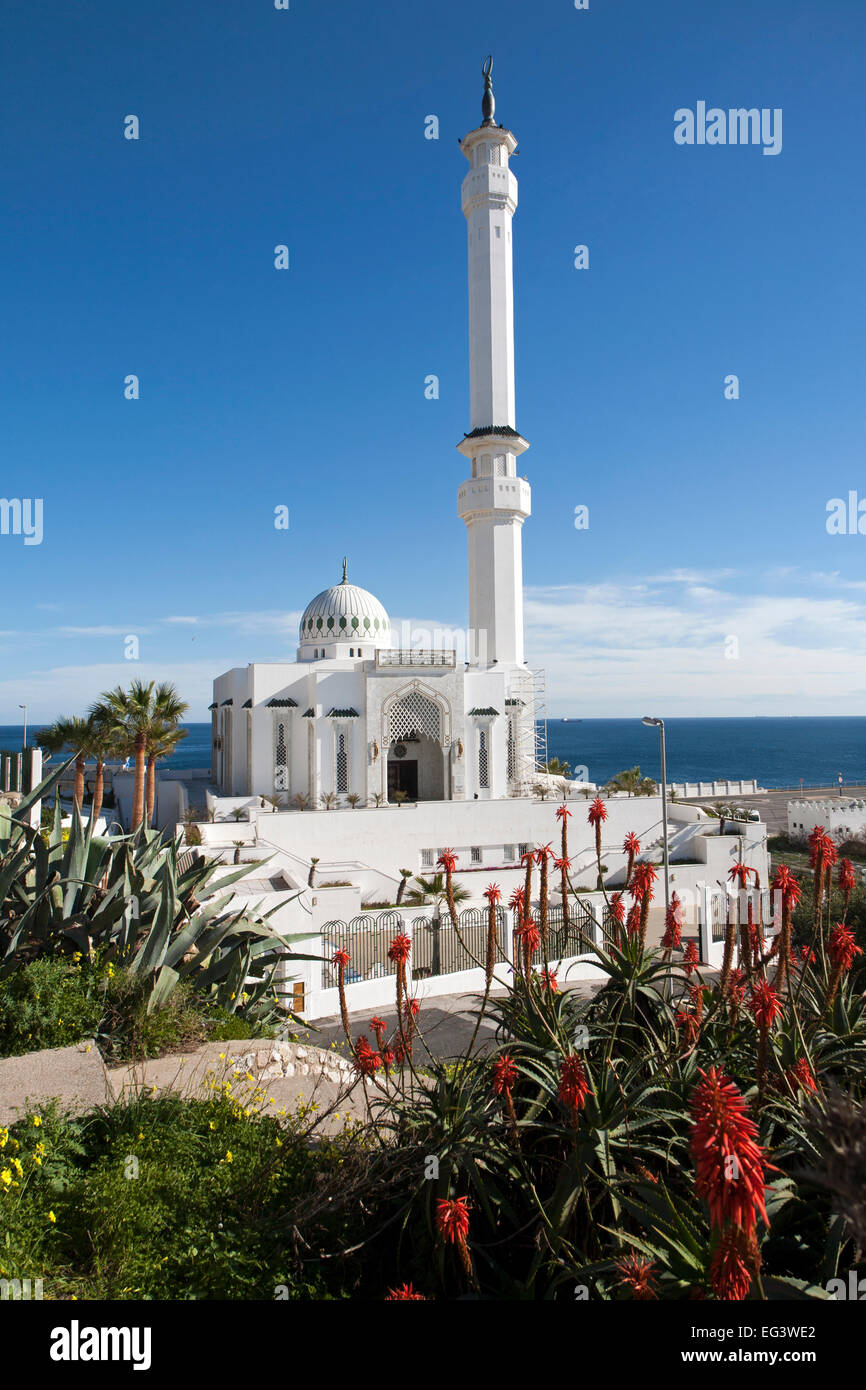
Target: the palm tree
(627, 781)
(161, 744)
(556, 767)
(401, 886)
(138, 717)
(433, 888)
(75, 733)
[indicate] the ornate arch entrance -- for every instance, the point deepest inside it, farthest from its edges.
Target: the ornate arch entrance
(416, 739)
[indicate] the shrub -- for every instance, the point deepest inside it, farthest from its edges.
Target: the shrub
(52, 1002)
(171, 1199)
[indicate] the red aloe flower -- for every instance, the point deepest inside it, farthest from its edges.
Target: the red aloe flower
(412, 1008)
(399, 949)
(743, 873)
(632, 921)
(689, 1024)
(388, 1057)
(846, 879)
(493, 894)
(447, 860)
(690, 956)
(842, 947)
(542, 852)
(515, 902)
(617, 908)
(596, 816)
(822, 849)
(800, 1076)
(530, 936)
(504, 1075)
(765, 1005)
(562, 866)
(574, 1084)
(548, 980)
(642, 881)
(730, 1164)
(730, 1274)
(562, 812)
(736, 985)
(452, 1219)
(637, 1273)
(631, 847)
(785, 883)
(341, 958)
(673, 924)
(405, 1292)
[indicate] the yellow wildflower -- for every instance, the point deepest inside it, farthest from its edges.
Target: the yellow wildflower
(37, 1121)
(228, 1155)
(52, 1218)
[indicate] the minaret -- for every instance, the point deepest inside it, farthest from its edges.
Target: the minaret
(494, 502)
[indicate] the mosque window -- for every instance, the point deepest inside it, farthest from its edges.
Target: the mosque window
(511, 758)
(342, 763)
(483, 761)
(281, 758)
(500, 465)
(475, 854)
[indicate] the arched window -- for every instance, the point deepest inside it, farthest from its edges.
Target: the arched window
(483, 761)
(342, 762)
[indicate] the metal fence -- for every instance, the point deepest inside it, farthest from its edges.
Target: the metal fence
(571, 934)
(439, 950)
(367, 939)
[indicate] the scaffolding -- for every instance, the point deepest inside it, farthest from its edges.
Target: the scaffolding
(527, 708)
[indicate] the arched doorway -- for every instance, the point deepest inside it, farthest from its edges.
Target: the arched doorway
(415, 735)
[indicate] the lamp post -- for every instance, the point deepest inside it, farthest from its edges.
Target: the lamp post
(660, 725)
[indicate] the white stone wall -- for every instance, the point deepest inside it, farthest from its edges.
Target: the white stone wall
(843, 818)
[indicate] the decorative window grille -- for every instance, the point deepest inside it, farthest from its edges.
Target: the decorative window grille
(342, 763)
(415, 714)
(426, 859)
(521, 850)
(508, 852)
(475, 854)
(483, 761)
(511, 751)
(500, 465)
(281, 758)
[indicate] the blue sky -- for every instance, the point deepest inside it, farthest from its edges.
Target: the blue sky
(306, 387)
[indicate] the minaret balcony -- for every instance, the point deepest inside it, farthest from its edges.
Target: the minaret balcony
(503, 495)
(489, 186)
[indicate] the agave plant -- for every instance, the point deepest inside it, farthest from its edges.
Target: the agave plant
(128, 899)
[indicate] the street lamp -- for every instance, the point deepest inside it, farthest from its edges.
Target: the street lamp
(660, 725)
(24, 707)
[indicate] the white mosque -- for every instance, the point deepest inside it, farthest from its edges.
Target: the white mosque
(356, 716)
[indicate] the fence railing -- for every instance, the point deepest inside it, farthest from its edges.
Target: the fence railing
(440, 950)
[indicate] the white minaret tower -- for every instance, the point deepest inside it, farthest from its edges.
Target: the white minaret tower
(494, 502)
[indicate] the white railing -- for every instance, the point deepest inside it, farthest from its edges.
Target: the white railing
(400, 656)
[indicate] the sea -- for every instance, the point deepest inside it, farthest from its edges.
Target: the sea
(778, 752)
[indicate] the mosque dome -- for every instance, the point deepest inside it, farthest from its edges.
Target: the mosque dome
(343, 613)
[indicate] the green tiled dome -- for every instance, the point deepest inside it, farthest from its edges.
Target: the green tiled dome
(346, 611)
